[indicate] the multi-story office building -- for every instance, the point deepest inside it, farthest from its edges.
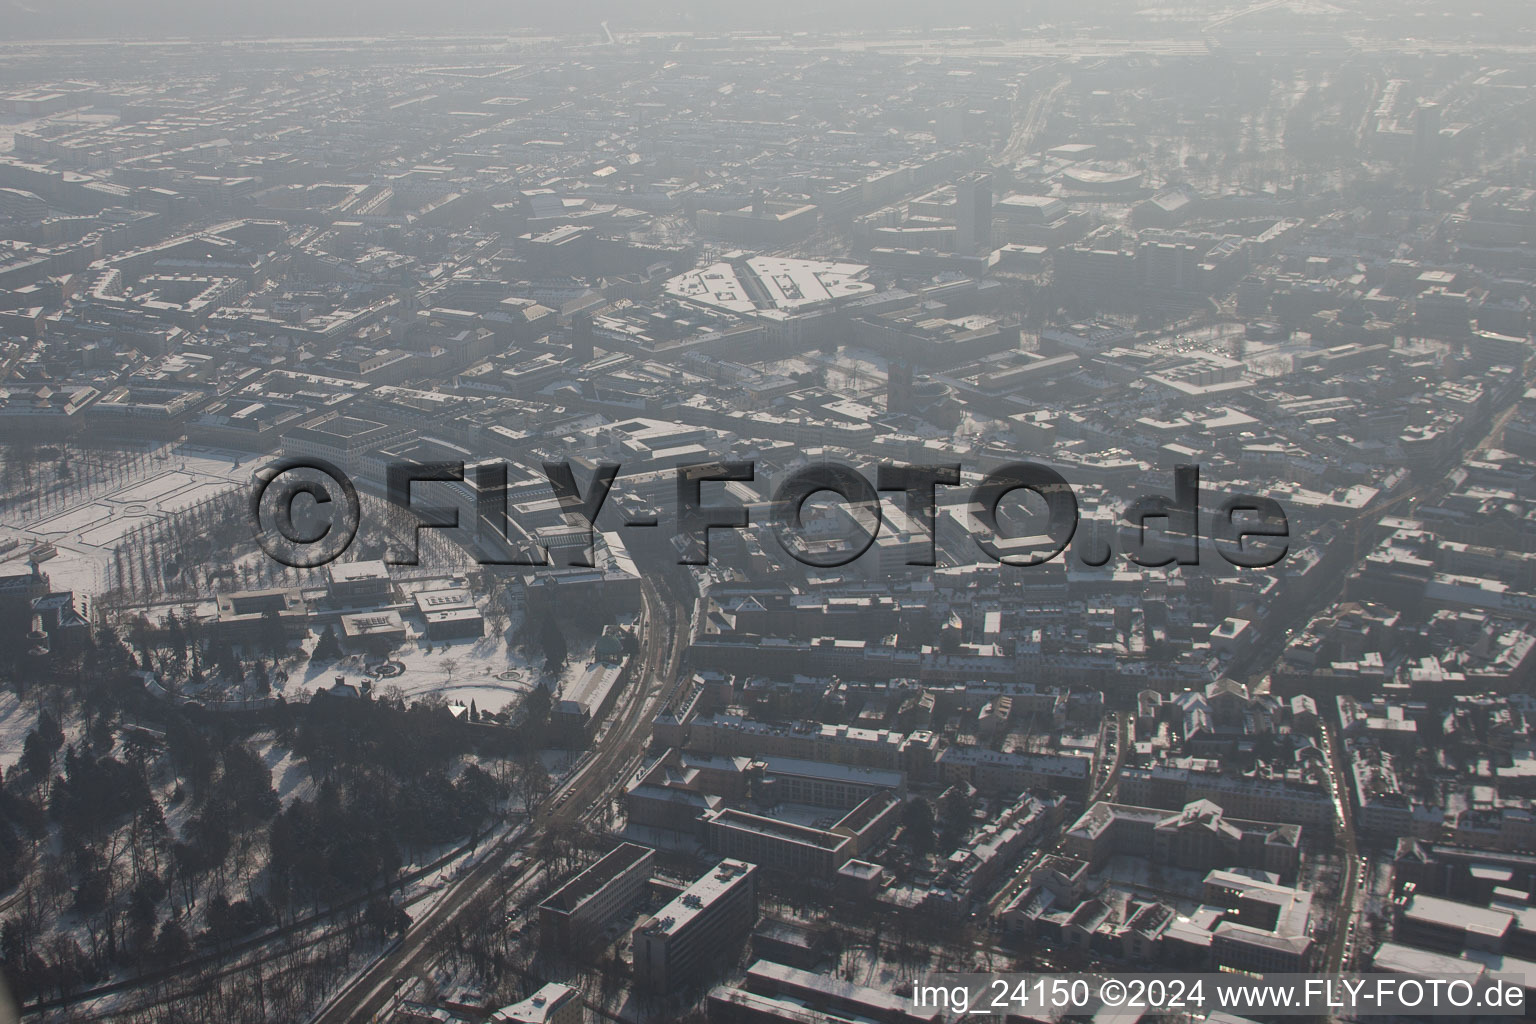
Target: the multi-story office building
(575, 915)
(1253, 798)
(685, 938)
(1199, 837)
(973, 213)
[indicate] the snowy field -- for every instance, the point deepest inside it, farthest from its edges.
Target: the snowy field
(15, 721)
(468, 670)
(74, 520)
(290, 778)
(87, 533)
(17, 718)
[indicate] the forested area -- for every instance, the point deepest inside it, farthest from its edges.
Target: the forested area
(138, 835)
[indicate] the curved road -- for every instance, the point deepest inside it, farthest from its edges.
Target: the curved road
(663, 639)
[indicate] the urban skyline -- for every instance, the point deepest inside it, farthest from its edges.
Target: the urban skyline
(739, 514)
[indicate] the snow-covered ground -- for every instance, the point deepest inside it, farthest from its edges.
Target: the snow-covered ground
(482, 670)
(19, 717)
(290, 776)
(15, 721)
(86, 534)
(486, 670)
(559, 764)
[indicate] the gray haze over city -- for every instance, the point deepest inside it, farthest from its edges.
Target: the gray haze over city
(743, 514)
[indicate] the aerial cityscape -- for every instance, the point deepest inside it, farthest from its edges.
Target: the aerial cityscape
(610, 514)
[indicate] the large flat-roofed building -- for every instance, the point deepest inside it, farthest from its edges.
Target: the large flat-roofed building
(343, 441)
(820, 784)
(1464, 873)
(771, 285)
(450, 613)
(973, 213)
(765, 222)
(866, 824)
(916, 335)
(243, 424)
(1198, 838)
(1448, 926)
(586, 701)
(776, 992)
(552, 1004)
(700, 928)
(781, 845)
(728, 1005)
(1396, 958)
(992, 770)
(612, 578)
(1256, 799)
(379, 629)
(243, 614)
(1267, 928)
(144, 412)
(359, 583)
(834, 744)
(681, 787)
(673, 808)
(576, 915)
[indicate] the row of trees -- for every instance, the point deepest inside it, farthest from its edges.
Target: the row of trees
(45, 479)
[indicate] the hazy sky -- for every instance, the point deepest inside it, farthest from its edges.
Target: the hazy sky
(114, 18)
(151, 19)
